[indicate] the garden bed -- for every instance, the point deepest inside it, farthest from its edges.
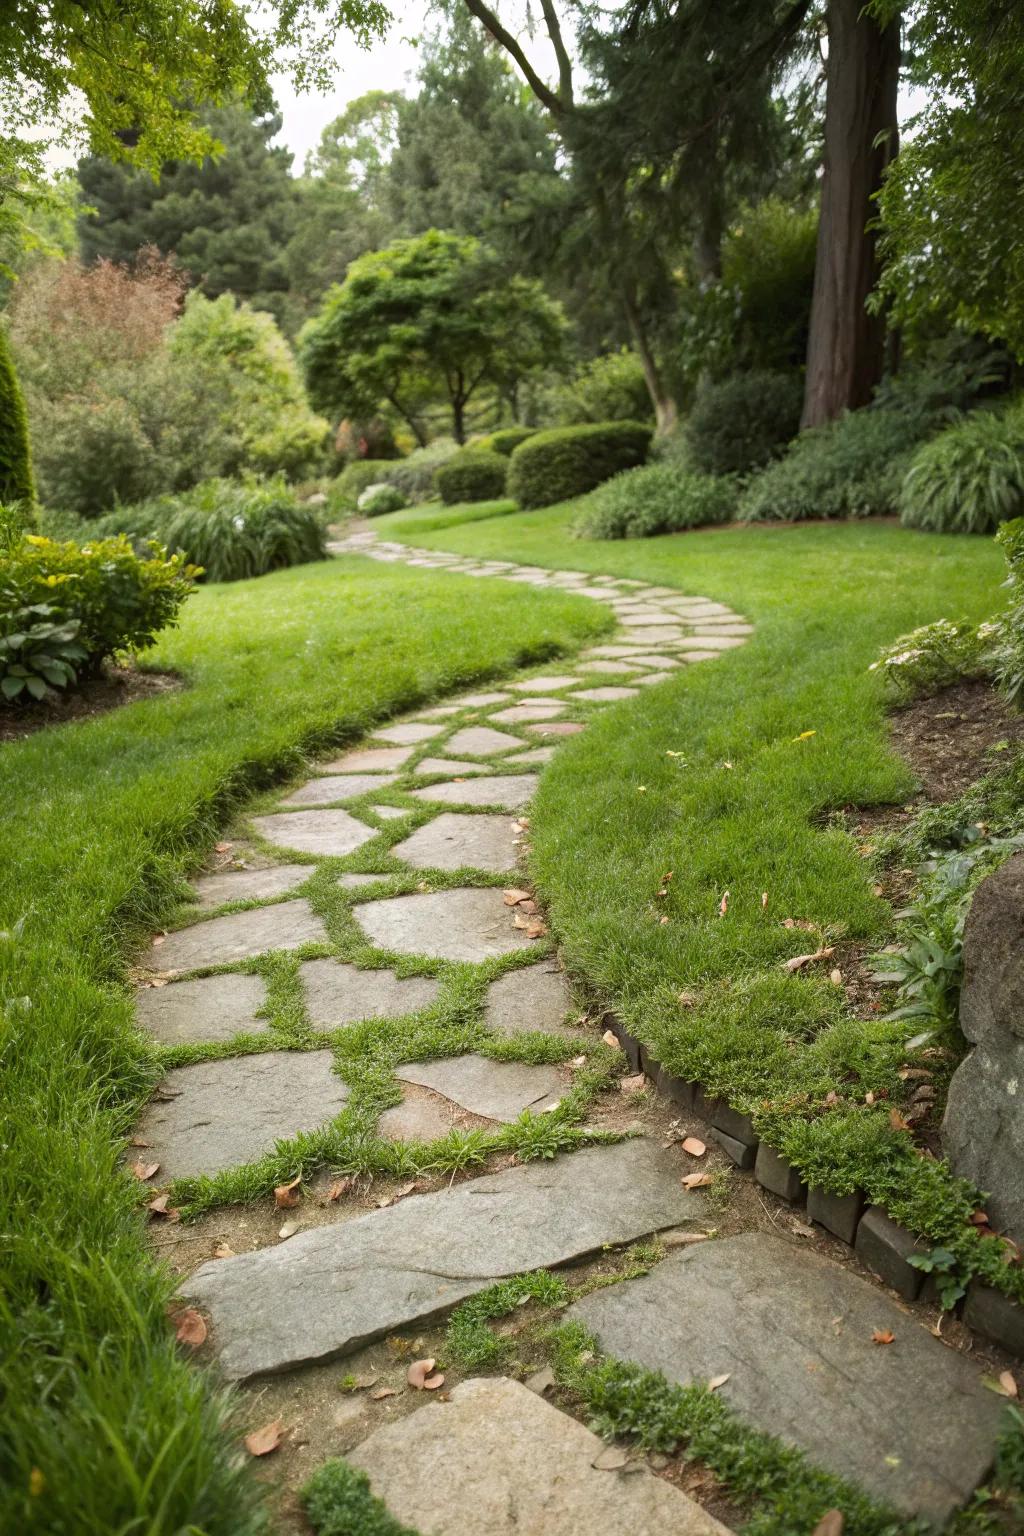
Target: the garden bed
(95, 696)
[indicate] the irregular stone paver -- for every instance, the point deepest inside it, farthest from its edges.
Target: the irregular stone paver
(408, 733)
(248, 884)
(910, 1422)
(496, 1090)
(331, 1289)
(534, 755)
(338, 786)
(557, 728)
(510, 790)
(481, 741)
(237, 936)
(528, 710)
(339, 994)
(536, 997)
(221, 1114)
(702, 655)
(323, 832)
(448, 765)
(605, 695)
(607, 668)
(660, 636)
(210, 1008)
(481, 700)
(543, 684)
(419, 1117)
(369, 760)
(453, 841)
(654, 677)
(701, 642)
(464, 924)
(511, 1464)
(649, 660)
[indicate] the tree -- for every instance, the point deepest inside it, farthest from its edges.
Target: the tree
(429, 316)
(846, 344)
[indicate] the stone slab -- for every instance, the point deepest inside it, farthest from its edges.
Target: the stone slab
(535, 755)
(654, 659)
(221, 1114)
(369, 760)
(210, 1008)
(541, 709)
(248, 884)
(237, 936)
(454, 841)
(496, 1090)
(329, 833)
(661, 636)
(419, 1117)
(331, 1289)
(497, 1460)
(407, 733)
(511, 791)
(909, 1422)
(338, 786)
(606, 668)
(707, 641)
(534, 997)
(544, 684)
(463, 924)
(557, 728)
(448, 765)
(605, 695)
(339, 994)
(481, 700)
(481, 741)
(654, 677)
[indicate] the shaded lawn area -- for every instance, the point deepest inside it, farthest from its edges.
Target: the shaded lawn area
(707, 777)
(412, 521)
(105, 1427)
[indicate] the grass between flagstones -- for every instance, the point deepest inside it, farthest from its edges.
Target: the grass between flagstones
(729, 777)
(105, 1427)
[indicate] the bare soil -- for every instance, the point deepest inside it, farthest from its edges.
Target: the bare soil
(114, 687)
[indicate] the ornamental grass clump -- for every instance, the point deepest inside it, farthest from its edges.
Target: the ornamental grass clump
(970, 478)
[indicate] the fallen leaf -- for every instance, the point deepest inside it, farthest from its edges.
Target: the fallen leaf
(422, 1376)
(688, 999)
(381, 1393)
(632, 1084)
(285, 1196)
(801, 1228)
(764, 900)
(158, 1207)
(189, 1328)
(897, 1122)
(610, 1459)
(723, 905)
(882, 1336)
(289, 1229)
(144, 1171)
(222, 847)
(359, 1383)
(979, 1218)
(222, 1251)
(683, 1239)
(1005, 1384)
(797, 962)
(694, 1146)
(514, 897)
(262, 1441)
(695, 1180)
(578, 1061)
(805, 736)
(36, 1482)
(869, 1097)
(718, 1381)
(612, 1039)
(836, 977)
(339, 1187)
(830, 1524)
(137, 1141)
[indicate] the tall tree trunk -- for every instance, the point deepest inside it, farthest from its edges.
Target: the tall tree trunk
(666, 412)
(846, 345)
(458, 419)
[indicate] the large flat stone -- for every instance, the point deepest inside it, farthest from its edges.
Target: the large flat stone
(338, 786)
(536, 997)
(464, 924)
(237, 936)
(530, 709)
(408, 733)
(369, 760)
(496, 1090)
(605, 695)
(544, 684)
(248, 884)
(341, 994)
(420, 1117)
(496, 1460)
(329, 833)
(331, 1289)
(481, 741)
(510, 790)
(211, 1008)
(221, 1114)
(453, 841)
(481, 700)
(448, 765)
(909, 1422)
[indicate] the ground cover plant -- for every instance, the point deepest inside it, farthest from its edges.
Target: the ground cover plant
(728, 783)
(657, 498)
(106, 1427)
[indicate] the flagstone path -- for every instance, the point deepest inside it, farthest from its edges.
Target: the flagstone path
(790, 1330)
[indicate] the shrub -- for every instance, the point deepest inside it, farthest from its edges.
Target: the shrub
(569, 461)
(852, 467)
(507, 439)
(16, 481)
(741, 423)
(61, 604)
(414, 475)
(234, 530)
(16, 518)
(1008, 637)
(932, 657)
(608, 388)
(354, 479)
(378, 499)
(655, 499)
(475, 474)
(970, 478)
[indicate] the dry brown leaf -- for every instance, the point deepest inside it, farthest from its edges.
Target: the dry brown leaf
(536, 929)
(630, 1085)
(289, 1229)
(897, 1122)
(159, 1207)
(797, 962)
(688, 999)
(694, 1146)
(883, 1336)
(830, 1524)
(339, 1187)
(222, 1251)
(513, 897)
(285, 1196)
(611, 1038)
(381, 1393)
(695, 1180)
(144, 1171)
(801, 1228)
(422, 1376)
(222, 847)
(137, 1141)
(723, 905)
(683, 1239)
(190, 1328)
(718, 1381)
(836, 977)
(1005, 1384)
(262, 1441)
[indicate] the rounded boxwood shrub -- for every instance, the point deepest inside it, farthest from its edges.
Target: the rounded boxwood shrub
(655, 499)
(569, 461)
(414, 475)
(507, 439)
(970, 478)
(475, 474)
(378, 499)
(743, 421)
(354, 480)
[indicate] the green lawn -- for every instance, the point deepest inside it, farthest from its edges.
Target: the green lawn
(707, 777)
(105, 1428)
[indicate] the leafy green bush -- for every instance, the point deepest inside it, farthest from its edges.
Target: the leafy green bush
(61, 604)
(657, 498)
(569, 461)
(507, 439)
(970, 478)
(378, 499)
(742, 422)
(16, 518)
(932, 657)
(234, 530)
(475, 474)
(354, 479)
(16, 480)
(339, 1502)
(1008, 630)
(608, 388)
(415, 474)
(853, 467)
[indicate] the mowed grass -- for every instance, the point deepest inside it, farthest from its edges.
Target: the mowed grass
(104, 1426)
(715, 779)
(412, 521)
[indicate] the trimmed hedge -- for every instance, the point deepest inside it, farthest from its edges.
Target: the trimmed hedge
(569, 461)
(16, 479)
(474, 474)
(507, 439)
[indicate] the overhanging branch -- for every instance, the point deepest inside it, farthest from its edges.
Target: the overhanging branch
(489, 21)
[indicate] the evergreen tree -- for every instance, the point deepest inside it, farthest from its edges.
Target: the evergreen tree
(16, 480)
